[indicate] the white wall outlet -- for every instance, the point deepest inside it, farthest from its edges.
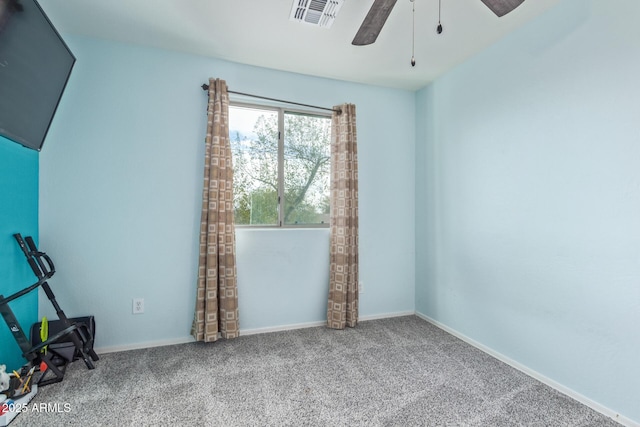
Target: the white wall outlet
(360, 287)
(138, 306)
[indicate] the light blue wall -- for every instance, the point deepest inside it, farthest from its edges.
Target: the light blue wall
(426, 167)
(18, 214)
(121, 179)
(536, 199)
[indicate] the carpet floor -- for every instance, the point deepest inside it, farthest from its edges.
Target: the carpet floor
(391, 372)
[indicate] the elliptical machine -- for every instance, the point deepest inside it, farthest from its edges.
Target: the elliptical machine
(74, 340)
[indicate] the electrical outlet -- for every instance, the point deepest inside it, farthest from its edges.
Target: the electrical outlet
(138, 306)
(360, 287)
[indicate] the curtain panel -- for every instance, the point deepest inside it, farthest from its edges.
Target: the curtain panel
(216, 311)
(342, 307)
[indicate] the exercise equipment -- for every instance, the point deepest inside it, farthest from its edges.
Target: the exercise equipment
(72, 338)
(64, 346)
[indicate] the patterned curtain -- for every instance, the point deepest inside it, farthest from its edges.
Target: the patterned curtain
(342, 308)
(217, 292)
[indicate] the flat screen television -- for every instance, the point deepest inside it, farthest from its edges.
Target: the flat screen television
(35, 64)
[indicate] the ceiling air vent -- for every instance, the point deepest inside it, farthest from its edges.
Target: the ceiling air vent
(316, 12)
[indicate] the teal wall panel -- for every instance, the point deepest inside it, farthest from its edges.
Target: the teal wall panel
(18, 214)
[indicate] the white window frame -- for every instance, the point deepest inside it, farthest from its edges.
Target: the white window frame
(281, 112)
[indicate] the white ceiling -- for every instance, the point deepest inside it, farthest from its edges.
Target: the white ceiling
(259, 32)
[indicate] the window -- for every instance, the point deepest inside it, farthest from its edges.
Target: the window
(281, 162)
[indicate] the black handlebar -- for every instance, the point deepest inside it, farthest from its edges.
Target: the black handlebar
(39, 262)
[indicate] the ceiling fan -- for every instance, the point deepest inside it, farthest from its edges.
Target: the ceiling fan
(380, 10)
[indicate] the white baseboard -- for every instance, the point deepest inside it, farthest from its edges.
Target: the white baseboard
(386, 315)
(141, 345)
(243, 332)
(534, 374)
(267, 330)
(255, 331)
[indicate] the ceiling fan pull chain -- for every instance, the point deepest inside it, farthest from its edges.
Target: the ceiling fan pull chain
(413, 33)
(439, 28)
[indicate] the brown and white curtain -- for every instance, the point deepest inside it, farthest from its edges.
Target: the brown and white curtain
(342, 308)
(217, 292)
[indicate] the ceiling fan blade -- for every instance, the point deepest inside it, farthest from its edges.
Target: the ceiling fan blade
(373, 22)
(502, 7)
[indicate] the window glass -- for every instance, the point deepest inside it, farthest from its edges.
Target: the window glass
(254, 144)
(306, 169)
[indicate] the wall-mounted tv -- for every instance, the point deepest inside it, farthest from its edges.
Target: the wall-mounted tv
(35, 64)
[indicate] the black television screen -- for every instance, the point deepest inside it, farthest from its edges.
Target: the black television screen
(35, 65)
